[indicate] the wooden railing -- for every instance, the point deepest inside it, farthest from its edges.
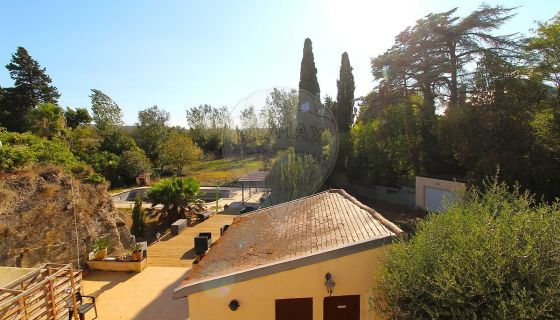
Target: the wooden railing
(41, 294)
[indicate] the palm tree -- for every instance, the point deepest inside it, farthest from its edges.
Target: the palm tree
(180, 198)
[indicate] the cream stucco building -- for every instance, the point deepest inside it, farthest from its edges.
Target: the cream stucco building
(311, 258)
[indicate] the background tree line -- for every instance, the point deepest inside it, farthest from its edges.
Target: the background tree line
(453, 98)
(38, 131)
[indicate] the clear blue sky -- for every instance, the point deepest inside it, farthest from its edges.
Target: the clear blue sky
(177, 54)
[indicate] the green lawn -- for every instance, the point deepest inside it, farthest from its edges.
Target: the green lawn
(222, 171)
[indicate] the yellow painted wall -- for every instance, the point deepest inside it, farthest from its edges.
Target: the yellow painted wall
(353, 274)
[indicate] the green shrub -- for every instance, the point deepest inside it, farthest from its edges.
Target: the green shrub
(493, 256)
(95, 178)
(13, 157)
(138, 219)
(27, 149)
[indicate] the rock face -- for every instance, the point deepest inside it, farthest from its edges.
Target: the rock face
(37, 224)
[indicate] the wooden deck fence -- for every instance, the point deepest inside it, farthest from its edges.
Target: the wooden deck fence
(41, 294)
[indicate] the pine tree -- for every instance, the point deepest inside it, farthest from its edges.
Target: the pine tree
(308, 73)
(344, 108)
(32, 87)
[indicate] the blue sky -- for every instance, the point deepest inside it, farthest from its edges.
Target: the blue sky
(178, 54)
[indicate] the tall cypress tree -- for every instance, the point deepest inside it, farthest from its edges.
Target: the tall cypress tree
(308, 73)
(32, 87)
(344, 108)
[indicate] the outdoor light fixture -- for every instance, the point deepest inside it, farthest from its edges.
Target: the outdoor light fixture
(329, 283)
(233, 305)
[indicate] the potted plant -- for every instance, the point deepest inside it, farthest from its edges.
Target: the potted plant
(100, 248)
(136, 252)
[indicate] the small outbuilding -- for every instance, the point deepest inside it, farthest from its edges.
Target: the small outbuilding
(311, 258)
(433, 194)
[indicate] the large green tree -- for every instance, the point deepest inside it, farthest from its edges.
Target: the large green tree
(179, 151)
(208, 126)
(308, 72)
(32, 86)
(344, 108)
(544, 48)
(152, 131)
(431, 56)
(106, 113)
(133, 163)
(76, 117)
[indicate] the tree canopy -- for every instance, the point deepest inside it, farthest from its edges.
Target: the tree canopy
(152, 131)
(179, 151)
(308, 73)
(106, 113)
(344, 107)
(32, 86)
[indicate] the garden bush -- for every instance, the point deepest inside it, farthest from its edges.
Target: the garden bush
(138, 219)
(496, 255)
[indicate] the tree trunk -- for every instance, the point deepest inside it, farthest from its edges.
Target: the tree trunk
(453, 85)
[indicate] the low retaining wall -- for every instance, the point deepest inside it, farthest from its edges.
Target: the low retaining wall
(405, 196)
(114, 265)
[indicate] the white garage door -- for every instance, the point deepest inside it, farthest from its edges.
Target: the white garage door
(435, 199)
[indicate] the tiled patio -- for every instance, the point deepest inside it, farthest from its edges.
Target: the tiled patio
(148, 295)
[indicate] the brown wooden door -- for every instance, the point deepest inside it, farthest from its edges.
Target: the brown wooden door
(294, 309)
(341, 308)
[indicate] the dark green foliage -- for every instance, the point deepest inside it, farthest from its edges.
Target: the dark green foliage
(47, 120)
(94, 178)
(117, 141)
(152, 131)
(344, 108)
(132, 163)
(388, 148)
(509, 123)
(493, 256)
(179, 197)
(138, 219)
(308, 73)
(32, 87)
(494, 108)
(77, 117)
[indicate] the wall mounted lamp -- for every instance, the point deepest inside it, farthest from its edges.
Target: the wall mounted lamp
(233, 305)
(329, 283)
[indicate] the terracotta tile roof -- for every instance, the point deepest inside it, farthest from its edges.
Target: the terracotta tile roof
(314, 224)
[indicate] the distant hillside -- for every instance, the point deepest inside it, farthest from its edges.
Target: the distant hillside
(37, 221)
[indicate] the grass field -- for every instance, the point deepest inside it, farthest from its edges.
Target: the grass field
(222, 171)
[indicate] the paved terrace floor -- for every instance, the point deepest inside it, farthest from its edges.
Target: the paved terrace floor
(148, 295)
(178, 251)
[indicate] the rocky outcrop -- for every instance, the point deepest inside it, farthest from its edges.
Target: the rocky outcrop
(42, 213)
